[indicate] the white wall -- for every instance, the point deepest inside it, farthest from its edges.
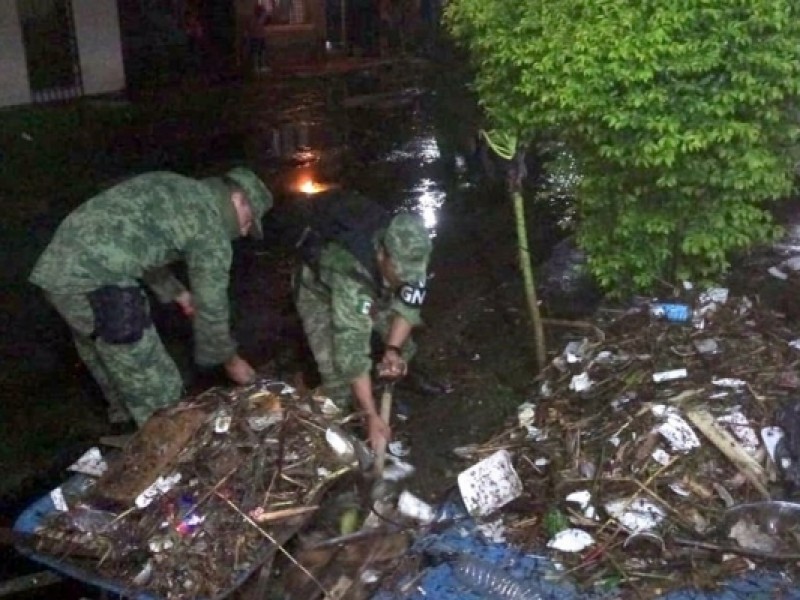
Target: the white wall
(99, 45)
(14, 88)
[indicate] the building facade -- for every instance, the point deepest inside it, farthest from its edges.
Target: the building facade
(54, 50)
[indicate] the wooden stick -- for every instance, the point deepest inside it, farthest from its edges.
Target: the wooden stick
(275, 542)
(386, 415)
(732, 449)
(286, 513)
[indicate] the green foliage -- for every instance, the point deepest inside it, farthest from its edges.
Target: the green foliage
(555, 521)
(681, 117)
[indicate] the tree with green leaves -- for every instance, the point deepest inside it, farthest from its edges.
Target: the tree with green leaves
(682, 117)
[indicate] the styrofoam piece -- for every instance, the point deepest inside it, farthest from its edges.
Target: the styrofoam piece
(582, 498)
(329, 407)
(795, 344)
(792, 263)
(638, 515)
(661, 456)
(91, 463)
(679, 489)
(399, 448)
(678, 433)
(526, 414)
(718, 295)
(574, 351)
(771, 436)
(489, 484)
(670, 375)
(493, 531)
(571, 540)
(396, 469)
(740, 427)
(59, 502)
(411, 506)
(160, 486)
(776, 272)
(728, 382)
(580, 383)
(706, 346)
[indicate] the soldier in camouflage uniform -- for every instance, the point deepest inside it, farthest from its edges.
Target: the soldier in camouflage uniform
(92, 269)
(341, 303)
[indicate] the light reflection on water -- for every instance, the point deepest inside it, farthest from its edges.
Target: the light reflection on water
(427, 197)
(423, 148)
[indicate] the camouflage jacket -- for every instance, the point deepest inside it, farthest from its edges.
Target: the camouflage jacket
(354, 302)
(132, 232)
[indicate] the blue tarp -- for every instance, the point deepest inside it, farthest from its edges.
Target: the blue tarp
(536, 577)
(30, 521)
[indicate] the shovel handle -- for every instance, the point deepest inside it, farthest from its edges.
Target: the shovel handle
(386, 414)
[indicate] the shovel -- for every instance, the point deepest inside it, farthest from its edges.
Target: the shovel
(386, 415)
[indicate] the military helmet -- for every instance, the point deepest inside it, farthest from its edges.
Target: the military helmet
(409, 245)
(257, 194)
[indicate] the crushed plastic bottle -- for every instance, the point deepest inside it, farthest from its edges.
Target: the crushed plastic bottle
(90, 520)
(490, 581)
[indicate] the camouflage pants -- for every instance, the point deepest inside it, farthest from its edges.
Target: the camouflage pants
(141, 377)
(314, 307)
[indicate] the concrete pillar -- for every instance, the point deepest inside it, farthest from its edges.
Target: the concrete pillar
(14, 86)
(99, 45)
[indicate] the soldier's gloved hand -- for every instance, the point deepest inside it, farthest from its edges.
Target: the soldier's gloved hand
(239, 370)
(392, 365)
(378, 431)
(186, 303)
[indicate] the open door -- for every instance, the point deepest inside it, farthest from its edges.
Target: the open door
(51, 49)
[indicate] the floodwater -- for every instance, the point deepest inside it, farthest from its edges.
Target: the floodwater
(405, 136)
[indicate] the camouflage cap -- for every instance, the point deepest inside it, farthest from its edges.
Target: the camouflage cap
(257, 193)
(409, 244)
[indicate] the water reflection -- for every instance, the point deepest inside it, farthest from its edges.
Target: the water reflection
(427, 198)
(424, 148)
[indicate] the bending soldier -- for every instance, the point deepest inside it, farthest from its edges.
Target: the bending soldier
(374, 280)
(92, 269)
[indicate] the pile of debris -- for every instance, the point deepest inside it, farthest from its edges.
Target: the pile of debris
(202, 495)
(654, 456)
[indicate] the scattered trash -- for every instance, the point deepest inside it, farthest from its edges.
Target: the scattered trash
(672, 312)
(580, 383)
(680, 436)
(489, 580)
(771, 436)
(706, 346)
(571, 540)
(635, 515)
(399, 448)
(411, 506)
(670, 375)
(776, 272)
(489, 484)
(198, 498)
(91, 463)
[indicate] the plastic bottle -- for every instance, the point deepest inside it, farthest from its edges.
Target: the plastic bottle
(490, 581)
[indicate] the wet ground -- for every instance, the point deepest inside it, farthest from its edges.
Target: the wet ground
(403, 134)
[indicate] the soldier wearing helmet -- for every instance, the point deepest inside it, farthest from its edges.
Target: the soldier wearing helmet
(344, 297)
